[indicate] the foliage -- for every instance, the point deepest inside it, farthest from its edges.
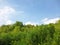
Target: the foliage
(19, 34)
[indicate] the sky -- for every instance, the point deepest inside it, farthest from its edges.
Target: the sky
(29, 11)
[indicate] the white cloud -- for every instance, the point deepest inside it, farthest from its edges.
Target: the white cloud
(6, 10)
(9, 22)
(5, 14)
(31, 23)
(47, 21)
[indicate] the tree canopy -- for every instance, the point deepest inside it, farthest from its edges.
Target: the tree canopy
(19, 34)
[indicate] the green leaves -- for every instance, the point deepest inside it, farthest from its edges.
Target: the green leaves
(19, 34)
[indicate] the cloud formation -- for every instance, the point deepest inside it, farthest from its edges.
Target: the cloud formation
(5, 15)
(47, 21)
(31, 23)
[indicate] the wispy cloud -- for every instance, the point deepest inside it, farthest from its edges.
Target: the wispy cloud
(47, 21)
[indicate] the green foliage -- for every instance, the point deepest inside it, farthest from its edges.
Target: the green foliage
(19, 34)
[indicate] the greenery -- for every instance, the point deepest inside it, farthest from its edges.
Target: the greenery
(19, 34)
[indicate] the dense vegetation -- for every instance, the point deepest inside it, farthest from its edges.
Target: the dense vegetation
(19, 34)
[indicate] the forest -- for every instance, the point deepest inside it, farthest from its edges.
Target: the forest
(20, 34)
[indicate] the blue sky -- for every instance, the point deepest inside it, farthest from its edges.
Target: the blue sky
(32, 10)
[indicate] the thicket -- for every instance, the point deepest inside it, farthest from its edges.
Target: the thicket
(19, 34)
